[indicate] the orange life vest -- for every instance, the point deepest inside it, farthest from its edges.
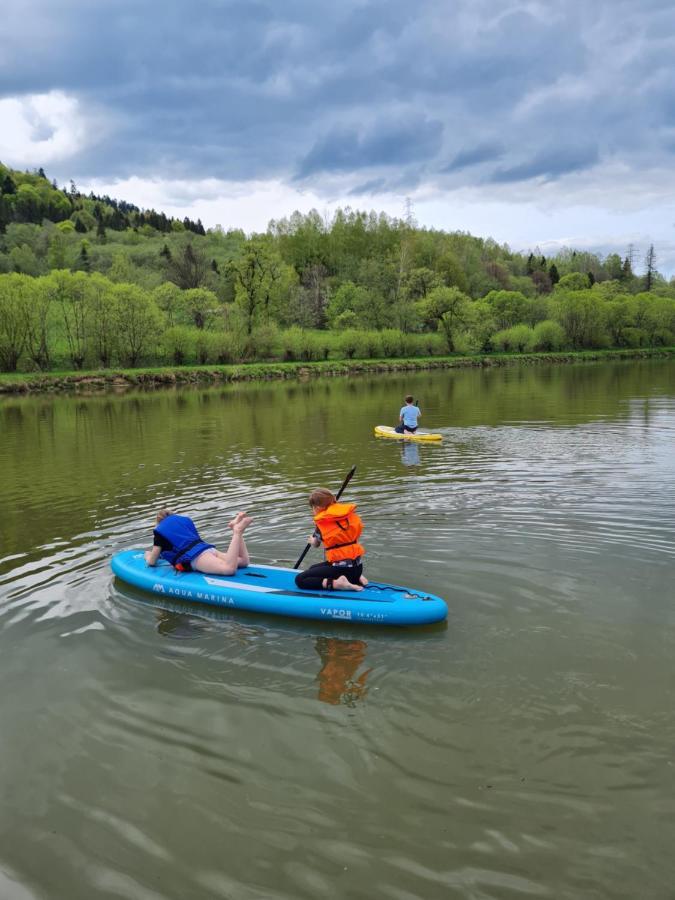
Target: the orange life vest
(340, 529)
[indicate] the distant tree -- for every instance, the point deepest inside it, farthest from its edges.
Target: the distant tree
(168, 297)
(626, 270)
(102, 318)
(165, 252)
(613, 267)
(199, 305)
(39, 332)
(139, 322)
(214, 267)
(591, 279)
(530, 264)
(650, 268)
(574, 281)
(83, 261)
(553, 274)
(15, 303)
(542, 282)
(188, 267)
(449, 309)
(101, 232)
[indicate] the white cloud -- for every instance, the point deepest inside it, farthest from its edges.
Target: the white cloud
(38, 129)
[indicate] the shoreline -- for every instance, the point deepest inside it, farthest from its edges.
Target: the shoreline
(167, 376)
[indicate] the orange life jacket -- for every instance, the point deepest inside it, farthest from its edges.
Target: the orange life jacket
(340, 529)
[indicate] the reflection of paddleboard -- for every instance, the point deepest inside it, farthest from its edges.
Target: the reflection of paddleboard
(269, 589)
(388, 432)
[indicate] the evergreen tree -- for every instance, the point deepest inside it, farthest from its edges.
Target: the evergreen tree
(591, 278)
(626, 270)
(650, 268)
(553, 274)
(83, 261)
(214, 267)
(80, 226)
(100, 231)
(530, 264)
(165, 252)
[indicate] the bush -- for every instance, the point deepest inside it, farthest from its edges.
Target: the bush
(392, 342)
(548, 335)
(178, 344)
(225, 346)
(520, 338)
(299, 344)
(264, 341)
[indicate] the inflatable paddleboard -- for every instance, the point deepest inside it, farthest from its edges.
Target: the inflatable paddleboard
(270, 589)
(386, 431)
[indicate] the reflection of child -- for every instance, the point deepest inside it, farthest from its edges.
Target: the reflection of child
(408, 416)
(340, 661)
(339, 528)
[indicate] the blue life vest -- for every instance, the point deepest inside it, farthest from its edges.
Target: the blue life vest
(180, 531)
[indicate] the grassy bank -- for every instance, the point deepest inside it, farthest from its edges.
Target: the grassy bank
(119, 379)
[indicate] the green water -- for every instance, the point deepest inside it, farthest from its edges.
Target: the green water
(523, 749)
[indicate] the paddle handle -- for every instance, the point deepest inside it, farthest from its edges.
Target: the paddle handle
(337, 497)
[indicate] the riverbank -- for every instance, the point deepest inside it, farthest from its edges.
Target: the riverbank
(122, 379)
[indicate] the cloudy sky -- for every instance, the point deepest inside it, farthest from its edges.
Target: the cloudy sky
(537, 123)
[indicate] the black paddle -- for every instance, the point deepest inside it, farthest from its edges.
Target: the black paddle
(337, 497)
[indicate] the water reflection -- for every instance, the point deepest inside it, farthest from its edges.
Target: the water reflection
(340, 660)
(410, 453)
(177, 625)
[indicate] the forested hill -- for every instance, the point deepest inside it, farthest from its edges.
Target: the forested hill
(44, 227)
(27, 197)
(88, 280)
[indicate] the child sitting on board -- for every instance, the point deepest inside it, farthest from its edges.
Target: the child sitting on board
(407, 419)
(338, 527)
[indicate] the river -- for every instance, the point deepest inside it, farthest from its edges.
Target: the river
(523, 749)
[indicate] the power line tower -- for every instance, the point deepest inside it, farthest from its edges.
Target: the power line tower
(631, 253)
(410, 220)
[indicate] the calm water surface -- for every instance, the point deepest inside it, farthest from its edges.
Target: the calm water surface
(523, 750)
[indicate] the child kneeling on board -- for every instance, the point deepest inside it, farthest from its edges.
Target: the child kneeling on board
(338, 527)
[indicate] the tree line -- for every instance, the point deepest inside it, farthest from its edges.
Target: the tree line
(77, 291)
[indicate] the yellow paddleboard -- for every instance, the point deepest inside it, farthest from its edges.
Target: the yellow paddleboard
(387, 431)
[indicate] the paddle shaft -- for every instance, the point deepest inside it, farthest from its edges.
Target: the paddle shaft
(337, 497)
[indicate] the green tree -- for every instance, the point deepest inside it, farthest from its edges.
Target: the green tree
(102, 318)
(71, 294)
(200, 305)
(139, 322)
(508, 307)
(24, 260)
(15, 303)
(168, 297)
(575, 281)
(258, 272)
(39, 331)
(449, 309)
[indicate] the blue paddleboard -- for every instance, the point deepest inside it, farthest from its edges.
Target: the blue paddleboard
(270, 589)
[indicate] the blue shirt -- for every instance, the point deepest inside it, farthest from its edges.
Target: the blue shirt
(410, 414)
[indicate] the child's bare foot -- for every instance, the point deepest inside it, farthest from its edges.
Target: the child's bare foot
(236, 519)
(363, 580)
(241, 524)
(344, 584)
